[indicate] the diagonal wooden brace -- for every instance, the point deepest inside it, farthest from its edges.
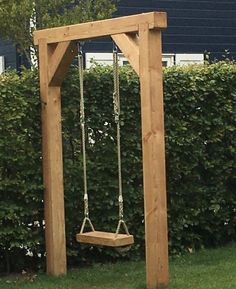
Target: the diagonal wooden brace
(60, 61)
(128, 44)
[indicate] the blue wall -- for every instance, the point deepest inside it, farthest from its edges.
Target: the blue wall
(193, 26)
(8, 50)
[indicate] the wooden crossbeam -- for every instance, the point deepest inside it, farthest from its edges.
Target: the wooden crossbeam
(60, 61)
(101, 28)
(129, 46)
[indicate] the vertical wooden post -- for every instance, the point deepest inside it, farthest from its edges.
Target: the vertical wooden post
(52, 167)
(153, 157)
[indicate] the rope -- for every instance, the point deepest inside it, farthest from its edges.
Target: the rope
(82, 124)
(116, 102)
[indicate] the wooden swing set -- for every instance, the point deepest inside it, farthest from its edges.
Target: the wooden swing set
(139, 39)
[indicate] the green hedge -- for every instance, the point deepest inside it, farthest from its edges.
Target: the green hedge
(20, 170)
(200, 105)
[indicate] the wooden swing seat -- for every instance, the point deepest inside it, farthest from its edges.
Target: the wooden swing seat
(105, 239)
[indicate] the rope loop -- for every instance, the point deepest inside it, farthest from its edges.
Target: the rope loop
(86, 219)
(121, 223)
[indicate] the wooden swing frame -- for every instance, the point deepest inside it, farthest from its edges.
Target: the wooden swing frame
(139, 38)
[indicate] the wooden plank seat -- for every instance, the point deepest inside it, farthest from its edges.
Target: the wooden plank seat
(105, 239)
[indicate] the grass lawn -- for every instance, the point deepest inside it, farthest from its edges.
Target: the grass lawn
(208, 269)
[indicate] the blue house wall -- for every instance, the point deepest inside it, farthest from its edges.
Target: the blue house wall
(8, 50)
(193, 26)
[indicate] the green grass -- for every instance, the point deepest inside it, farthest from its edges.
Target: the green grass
(208, 269)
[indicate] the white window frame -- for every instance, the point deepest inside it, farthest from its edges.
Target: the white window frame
(103, 58)
(169, 58)
(189, 58)
(2, 64)
(92, 58)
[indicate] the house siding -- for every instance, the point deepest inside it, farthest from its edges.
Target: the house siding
(193, 26)
(8, 50)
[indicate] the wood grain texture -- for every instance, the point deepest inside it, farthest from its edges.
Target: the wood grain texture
(101, 28)
(130, 48)
(152, 110)
(60, 61)
(105, 239)
(52, 167)
(150, 72)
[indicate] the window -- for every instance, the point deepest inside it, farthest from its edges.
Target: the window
(103, 58)
(2, 64)
(184, 59)
(168, 60)
(107, 59)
